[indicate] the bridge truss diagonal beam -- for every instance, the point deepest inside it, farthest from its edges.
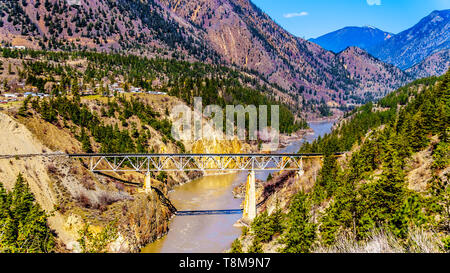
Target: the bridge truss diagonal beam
(147, 163)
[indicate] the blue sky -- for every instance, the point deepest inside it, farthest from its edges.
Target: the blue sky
(313, 18)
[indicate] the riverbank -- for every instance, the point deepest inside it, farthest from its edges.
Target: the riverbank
(194, 234)
(277, 192)
(213, 233)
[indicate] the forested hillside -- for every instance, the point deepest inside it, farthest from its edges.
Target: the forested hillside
(82, 101)
(391, 187)
(233, 33)
(64, 73)
(128, 26)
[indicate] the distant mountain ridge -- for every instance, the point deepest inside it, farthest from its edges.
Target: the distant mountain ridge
(362, 37)
(371, 74)
(421, 50)
(235, 33)
(246, 36)
(412, 46)
(434, 65)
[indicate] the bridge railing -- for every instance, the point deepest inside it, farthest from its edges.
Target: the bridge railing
(146, 163)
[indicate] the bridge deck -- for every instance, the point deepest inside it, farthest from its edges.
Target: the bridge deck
(199, 155)
(147, 163)
(209, 212)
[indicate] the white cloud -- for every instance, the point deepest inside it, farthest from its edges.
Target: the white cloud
(374, 2)
(295, 14)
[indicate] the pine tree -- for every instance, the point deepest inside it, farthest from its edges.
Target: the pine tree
(255, 247)
(410, 215)
(383, 198)
(85, 141)
(24, 108)
(23, 224)
(236, 246)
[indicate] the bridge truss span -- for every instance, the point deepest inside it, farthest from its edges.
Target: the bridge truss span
(148, 163)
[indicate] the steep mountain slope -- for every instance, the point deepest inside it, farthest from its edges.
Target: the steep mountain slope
(373, 77)
(231, 32)
(71, 194)
(362, 37)
(126, 25)
(410, 47)
(389, 193)
(127, 123)
(434, 65)
(244, 35)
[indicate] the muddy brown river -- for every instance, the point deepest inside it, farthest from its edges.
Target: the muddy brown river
(212, 233)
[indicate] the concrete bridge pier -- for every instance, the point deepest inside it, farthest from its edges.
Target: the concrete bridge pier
(300, 172)
(250, 198)
(148, 183)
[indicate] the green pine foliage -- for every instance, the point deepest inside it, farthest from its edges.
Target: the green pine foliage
(111, 138)
(23, 224)
(218, 85)
(91, 242)
(23, 110)
(236, 246)
(301, 232)
(385, 202)
(265, 226)
(326, 184)
(255, 247)
(441, 155)
(370, 192)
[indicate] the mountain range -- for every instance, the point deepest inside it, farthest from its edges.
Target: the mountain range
(412, 46)
(362, 37)
(408, 50)
(234, 33)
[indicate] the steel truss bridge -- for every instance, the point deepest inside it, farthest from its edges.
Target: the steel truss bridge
(149, 163)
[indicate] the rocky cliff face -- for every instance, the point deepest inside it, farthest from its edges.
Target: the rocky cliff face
(244, 35)
(72, 195)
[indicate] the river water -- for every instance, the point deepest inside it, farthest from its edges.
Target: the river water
(212, 233)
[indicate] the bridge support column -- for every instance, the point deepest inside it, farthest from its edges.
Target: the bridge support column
(148, 183)
(250, 198)
(299, 174)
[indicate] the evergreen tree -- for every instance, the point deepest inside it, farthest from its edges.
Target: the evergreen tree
(383, 198)
(23, 224)
(301, 233)
(255, 247)
(236, 246)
